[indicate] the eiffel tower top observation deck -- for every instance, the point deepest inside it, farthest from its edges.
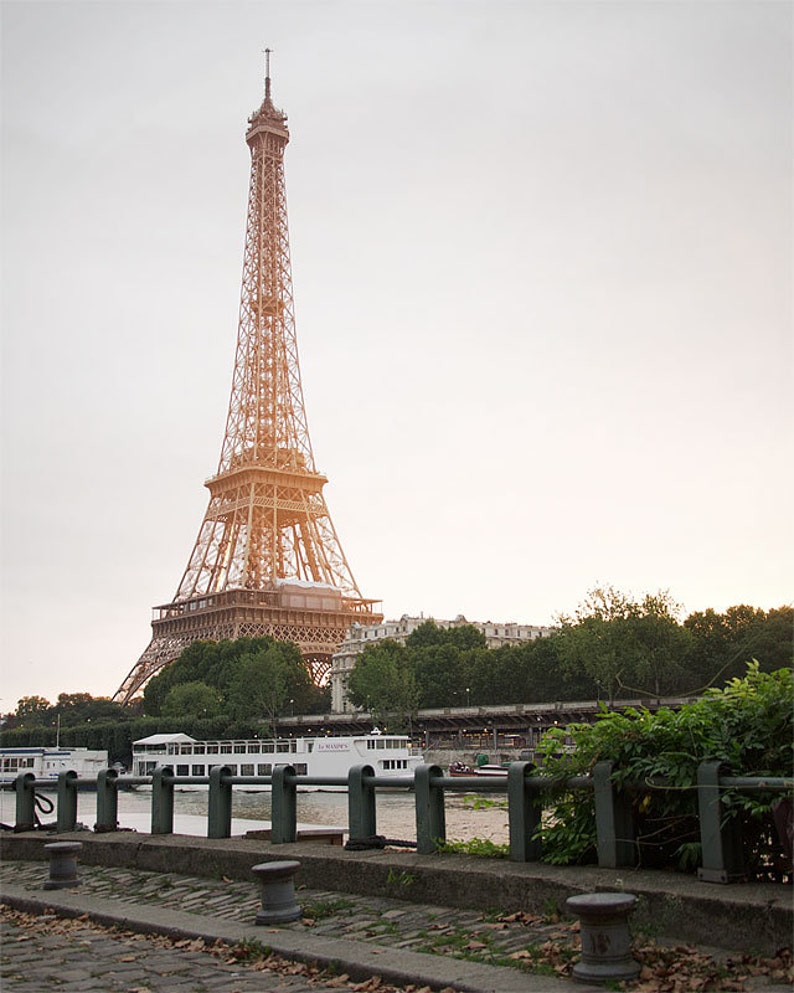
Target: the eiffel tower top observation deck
(267, 559)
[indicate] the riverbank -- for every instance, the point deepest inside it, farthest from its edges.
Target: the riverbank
(749, 918)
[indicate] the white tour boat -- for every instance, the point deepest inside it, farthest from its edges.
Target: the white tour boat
(46, 763)
(390, 755)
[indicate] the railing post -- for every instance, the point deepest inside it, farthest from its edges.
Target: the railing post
(219, 810)
(524, 812)
(720, 837)
(283, 806)
(25, 788)
(429, 799)
(614, 826)
(361, 817)
(163, 800)
(107, 801)
(67, 801)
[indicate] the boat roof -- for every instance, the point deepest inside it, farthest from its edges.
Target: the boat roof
(164, 739)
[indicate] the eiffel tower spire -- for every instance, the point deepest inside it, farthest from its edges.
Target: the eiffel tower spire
(267, 559)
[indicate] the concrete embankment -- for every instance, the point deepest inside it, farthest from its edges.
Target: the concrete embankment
(751, 918)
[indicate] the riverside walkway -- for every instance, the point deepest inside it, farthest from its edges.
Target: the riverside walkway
(416, 922)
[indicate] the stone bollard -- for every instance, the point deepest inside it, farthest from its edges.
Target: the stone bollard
(63, 864)
(277, 888)
(606, 943)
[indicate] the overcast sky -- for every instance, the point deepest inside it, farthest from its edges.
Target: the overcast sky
(542, 263)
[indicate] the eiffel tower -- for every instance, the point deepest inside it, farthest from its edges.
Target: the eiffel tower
(267, 560)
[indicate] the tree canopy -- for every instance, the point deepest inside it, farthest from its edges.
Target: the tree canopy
(614, 646)
(384, 683)
(244, 680)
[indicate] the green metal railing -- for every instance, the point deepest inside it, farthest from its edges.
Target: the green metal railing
(525, 789)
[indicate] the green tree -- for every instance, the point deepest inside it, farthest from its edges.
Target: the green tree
(266, 680)
(33, 711)
(440, 675)
(196, 699)
(661, 645)
(723, 643)
(626, 646)
(384, 683)
(463, 636)
(79, 708)
(599, 640)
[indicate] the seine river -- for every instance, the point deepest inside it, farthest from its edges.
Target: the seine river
(251, 811)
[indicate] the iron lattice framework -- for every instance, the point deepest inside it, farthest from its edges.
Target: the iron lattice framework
(267, 559)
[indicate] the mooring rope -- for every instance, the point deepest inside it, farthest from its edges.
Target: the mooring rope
(41, 803)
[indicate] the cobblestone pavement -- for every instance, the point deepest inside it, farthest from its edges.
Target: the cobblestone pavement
(416, 927)
(75, 955)
(44, 953)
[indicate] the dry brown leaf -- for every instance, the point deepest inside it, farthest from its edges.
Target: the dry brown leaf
(338, 980)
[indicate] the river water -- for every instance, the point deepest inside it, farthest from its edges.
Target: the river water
(251, 811)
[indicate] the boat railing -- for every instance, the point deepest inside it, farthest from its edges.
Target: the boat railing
(525, 788)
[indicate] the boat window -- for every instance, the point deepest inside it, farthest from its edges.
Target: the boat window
(212, 749)
(370, 743)
(253, 747)
(182, 770)
(267, 747)
(197, 770)
(198, 749)
(300, 768)
(233, 769)
(247, 769)
(264, 769)
(239, 749)
(309, 747)
(381, 743)
(186, 750)
(173, 750)
(226, 749)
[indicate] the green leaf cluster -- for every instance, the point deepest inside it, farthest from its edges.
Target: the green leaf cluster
(242, 681)
(614, 647)
(747, 726)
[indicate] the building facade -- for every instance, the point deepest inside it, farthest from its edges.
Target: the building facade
(359, 636)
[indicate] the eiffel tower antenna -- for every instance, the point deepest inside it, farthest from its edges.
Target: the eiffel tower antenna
(267, 560)
(267, 73)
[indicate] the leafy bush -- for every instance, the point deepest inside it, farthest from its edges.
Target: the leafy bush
(747, 725)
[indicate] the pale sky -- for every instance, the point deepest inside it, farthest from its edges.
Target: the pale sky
(542, 265)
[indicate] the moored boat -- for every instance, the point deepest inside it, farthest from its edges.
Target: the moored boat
(390, 755)
(47, 763)
(461, 769)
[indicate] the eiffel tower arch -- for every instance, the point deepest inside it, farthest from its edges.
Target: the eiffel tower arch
(267, 560)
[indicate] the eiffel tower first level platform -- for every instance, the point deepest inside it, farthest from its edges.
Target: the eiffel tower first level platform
(267, 560)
